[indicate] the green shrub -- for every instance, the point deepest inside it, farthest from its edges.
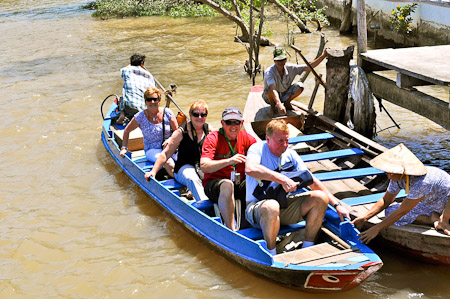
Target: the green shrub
(400, 18)
(138, 8)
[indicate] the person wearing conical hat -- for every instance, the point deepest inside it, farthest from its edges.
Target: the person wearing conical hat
(428, 194)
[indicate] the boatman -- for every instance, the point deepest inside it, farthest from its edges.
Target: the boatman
(265, 160)
(136, 79)
(279, 90)
(223, 164)
(428, 194)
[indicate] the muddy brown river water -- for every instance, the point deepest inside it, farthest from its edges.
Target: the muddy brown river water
(73, 225)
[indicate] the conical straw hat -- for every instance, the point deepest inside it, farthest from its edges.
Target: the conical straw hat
(399, 160)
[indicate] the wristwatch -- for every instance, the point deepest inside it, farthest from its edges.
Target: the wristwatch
(337, 204)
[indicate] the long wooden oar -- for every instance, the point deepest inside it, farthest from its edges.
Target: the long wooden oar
(170, 97)
(309, 65)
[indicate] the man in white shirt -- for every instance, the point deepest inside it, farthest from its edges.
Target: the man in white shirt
(279, 89)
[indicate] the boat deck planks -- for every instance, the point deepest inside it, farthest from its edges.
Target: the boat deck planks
(307, 254)
(348, 258)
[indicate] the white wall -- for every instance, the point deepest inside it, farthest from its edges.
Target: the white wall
(439, 15)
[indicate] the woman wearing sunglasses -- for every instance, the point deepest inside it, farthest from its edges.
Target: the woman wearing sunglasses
(153, 121)
(188, 139)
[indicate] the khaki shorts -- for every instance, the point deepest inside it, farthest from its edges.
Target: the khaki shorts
(292, 214)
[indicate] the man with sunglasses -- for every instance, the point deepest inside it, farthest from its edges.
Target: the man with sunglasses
(136, 79)
(223, 164)
(279, 89)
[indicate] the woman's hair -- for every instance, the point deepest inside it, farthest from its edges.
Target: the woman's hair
(198, 104)
(151, 90)
(276, 125)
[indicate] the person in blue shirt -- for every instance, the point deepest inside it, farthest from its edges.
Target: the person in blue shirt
(136, 79)
(263, 160)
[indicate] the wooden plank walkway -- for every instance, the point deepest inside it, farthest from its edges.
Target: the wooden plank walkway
(430, 64)
(415, 66)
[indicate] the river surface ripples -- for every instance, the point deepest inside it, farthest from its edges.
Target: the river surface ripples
(72, 224)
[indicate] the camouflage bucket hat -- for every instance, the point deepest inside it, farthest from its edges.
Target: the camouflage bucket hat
(279, 54)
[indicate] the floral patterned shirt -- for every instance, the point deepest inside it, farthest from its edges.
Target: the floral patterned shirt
(433, 188)
(152, 133)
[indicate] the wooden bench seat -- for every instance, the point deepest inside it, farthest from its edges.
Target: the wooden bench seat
(135, 139)
(348, 174)
(311, 137)
(256, 234)
(372, 198)
(332, 154)
(203, 204)
(171, 184)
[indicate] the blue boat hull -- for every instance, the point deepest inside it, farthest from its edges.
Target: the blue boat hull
(240, 249)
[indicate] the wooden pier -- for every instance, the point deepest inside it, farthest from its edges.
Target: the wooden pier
(415, 67)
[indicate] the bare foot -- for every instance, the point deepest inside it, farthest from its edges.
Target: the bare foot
(442, 225)
(281, 110)
(289, 106)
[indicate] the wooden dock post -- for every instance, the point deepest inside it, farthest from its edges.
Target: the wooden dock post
(362, 28)
(338, 77)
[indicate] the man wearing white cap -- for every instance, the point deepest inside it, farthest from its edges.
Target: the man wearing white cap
(427, 188)
(223, 164)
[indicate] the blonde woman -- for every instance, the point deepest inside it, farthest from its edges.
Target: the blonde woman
(188, 139)
(156, 124)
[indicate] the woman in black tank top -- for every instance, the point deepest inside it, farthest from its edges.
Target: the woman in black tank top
(188, 139)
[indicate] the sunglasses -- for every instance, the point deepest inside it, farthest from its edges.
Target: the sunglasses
(232, 122)
(152, 99)
(195, 114)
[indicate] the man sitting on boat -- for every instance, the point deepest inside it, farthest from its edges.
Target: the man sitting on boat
(223, 164)
(136, 79)
(279, 89)
(264, 161)
(428, 189)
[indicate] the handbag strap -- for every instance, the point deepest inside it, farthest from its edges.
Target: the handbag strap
(163, 127)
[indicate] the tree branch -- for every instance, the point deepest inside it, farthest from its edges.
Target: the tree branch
(228, 15)
(238, 20)
(292, 16)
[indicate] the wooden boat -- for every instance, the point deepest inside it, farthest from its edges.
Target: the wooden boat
(338, 262)
(360, 186)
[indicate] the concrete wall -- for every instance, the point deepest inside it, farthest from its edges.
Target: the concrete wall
(431, 20)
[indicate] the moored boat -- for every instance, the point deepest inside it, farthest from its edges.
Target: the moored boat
(348, 152)
(338, 261)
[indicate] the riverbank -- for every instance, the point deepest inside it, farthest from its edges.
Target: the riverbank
(431, 21)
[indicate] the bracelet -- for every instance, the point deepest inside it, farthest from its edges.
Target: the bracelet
(337, 204)
(124, 147)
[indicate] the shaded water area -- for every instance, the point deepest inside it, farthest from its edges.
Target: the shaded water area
(72, 224)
